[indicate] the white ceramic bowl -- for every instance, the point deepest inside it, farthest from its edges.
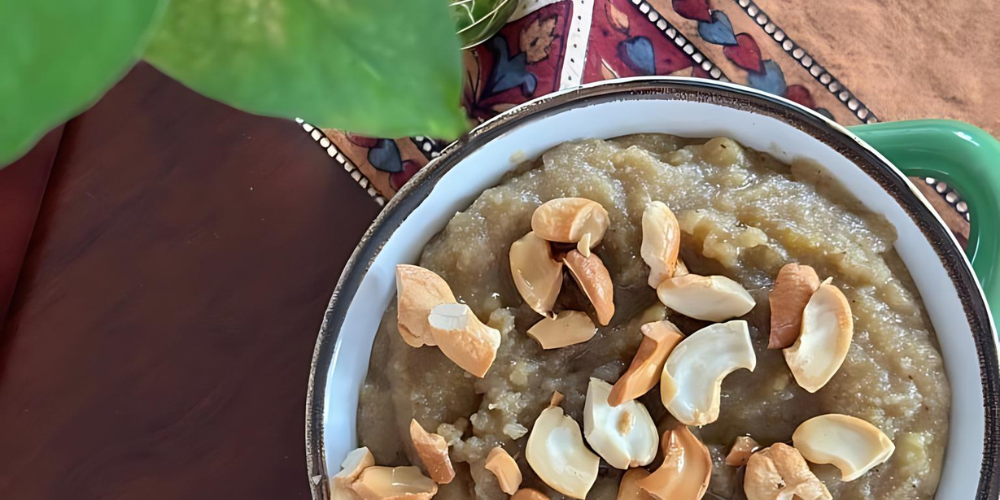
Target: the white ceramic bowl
(686, 107)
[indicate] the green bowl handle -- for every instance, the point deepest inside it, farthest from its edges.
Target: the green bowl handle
(965, 157)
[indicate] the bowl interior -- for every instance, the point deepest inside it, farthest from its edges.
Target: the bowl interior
(437, 197)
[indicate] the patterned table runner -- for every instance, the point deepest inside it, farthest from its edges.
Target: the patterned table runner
(550, 45)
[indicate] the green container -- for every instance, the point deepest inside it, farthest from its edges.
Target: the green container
(968, 159)
(478, 20)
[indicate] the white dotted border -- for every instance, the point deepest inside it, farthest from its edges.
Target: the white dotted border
(431, 148)
(682, 43)
(342, 160)
(577, 42)
(950, 195)
(815, 69)
(577, 36)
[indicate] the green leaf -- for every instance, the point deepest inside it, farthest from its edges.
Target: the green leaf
(477, 20)
(57, 57)
(375, 67)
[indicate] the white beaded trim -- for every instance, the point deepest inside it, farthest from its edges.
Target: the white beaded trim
(846, 97)
(673, 34)
(342, 160)
(950, 195)
(429, 147)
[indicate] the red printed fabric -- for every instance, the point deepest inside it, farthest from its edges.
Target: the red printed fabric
(550, 45)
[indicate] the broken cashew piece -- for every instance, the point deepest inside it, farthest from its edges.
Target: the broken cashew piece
(780, 473)
(682, 269)
(571, 220)
(433, 452)
(528, 494)
(624, 435)
(463, 338)
(566, 329)
(354, 463)
(709, 298)
(827, 330)
(739, 454)
(394, 483)
(691, 384)
(852, 445)
(500, 463)
(556, 399)
(628, 488)
(686, 469)
(583, 246)
(537, 276)
(418, 290)
(661, 241)
(595, 281)
(558, 456)
(658, 339)
(793, 287)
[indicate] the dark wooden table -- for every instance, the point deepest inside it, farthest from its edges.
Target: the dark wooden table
(158, 342)
(159, 339)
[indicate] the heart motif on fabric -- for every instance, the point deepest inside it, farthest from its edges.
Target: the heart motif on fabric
(801, 95)
(693, 9)
(397, 179)
(637, 54)
(385, 156)
(508, 72)
(719, 31)
(360, 140)
(745, 54)
(699, 72)
(771, 80)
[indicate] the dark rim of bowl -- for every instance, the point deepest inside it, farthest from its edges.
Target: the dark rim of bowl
(835, 136)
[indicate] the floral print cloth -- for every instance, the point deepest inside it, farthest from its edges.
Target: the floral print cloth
(549, 45)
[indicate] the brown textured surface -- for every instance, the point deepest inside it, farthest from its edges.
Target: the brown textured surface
(22, 186)
(159, 340)
(905, 59)
(959, 226)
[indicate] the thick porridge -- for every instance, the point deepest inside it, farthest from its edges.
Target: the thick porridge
(742, 215)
